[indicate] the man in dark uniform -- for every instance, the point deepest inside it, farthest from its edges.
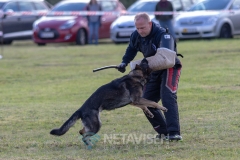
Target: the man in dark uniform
(162, 84)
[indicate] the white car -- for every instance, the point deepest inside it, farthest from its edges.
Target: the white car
(122, 27)
(208, 19)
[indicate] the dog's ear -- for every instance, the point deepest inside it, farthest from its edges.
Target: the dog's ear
(138, 67)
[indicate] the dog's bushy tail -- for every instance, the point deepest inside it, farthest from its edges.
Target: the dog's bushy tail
(68, 124)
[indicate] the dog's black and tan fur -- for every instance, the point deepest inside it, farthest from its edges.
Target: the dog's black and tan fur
(118, 93)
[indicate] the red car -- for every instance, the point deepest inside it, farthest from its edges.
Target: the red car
(57, 29)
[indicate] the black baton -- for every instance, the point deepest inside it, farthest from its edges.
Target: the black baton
(105, 67)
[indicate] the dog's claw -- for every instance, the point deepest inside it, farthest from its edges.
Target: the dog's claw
(148, 113)
(151, 116)
(165, 110)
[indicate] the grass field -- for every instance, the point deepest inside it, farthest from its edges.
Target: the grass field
(40, 87)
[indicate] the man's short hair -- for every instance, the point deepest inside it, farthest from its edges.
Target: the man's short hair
(142, 15)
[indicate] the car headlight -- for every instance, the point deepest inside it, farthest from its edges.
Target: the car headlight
(211, 20)
(176, 23)
(68, 24)
(35, 26)
(113, 25)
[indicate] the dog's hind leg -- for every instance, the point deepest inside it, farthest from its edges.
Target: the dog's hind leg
(92, 125)
(82, 131)
(86, 139)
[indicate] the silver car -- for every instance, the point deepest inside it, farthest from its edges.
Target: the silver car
(13, 25)
(122, 28)
(208, 19)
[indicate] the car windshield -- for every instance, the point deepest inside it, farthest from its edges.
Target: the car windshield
(210, 5)
(73, 6)
(149, 6)
(143, 6)
(1, 4)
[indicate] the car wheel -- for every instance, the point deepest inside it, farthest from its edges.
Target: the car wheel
(41, 44)
(225, 31)
(81, 38)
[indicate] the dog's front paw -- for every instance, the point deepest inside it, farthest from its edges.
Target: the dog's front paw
(164, 109)
(148, 113)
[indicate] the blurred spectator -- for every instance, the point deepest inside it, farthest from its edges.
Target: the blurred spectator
(165, 21)
(94, 22)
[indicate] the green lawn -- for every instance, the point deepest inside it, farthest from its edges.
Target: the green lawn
(40, 88)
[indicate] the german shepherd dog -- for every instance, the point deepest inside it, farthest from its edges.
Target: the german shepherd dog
(118, 93)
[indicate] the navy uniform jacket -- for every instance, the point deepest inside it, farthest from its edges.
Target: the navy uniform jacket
(147, 45)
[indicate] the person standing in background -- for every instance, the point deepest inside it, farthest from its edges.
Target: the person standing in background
(94, 21)
(165, 21)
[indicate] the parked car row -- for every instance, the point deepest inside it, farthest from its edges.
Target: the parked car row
(122, 28)
(205, 19)
(52, 29)
(198, 19)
